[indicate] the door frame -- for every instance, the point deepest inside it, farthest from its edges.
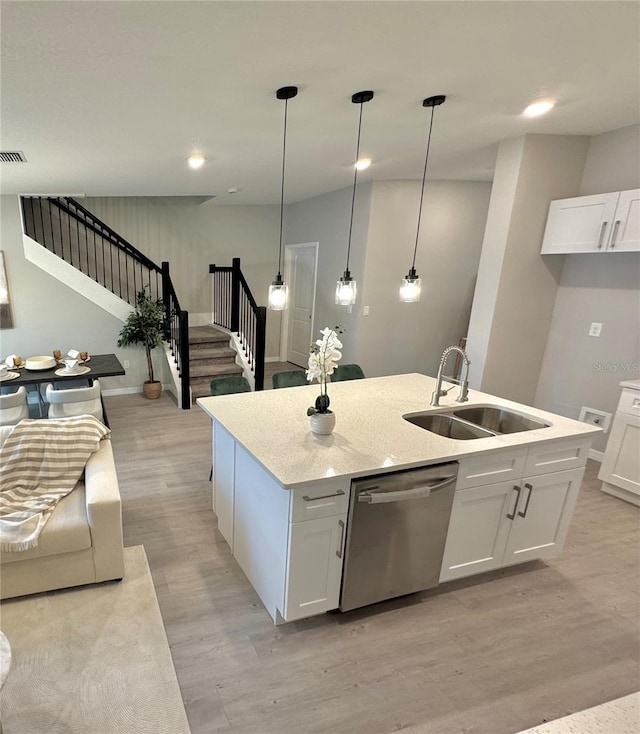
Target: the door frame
(284, 331)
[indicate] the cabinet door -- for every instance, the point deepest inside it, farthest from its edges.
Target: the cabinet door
(315, 567)
(621, 463)
(544, 513)
(478, 530)
(580, 224)
(625, 233)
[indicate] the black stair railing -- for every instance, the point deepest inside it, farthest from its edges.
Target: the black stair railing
(235, 309)
(69, 230)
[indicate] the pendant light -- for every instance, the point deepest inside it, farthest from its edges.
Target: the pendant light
(279, 290)
(346, 287)
(412, 284)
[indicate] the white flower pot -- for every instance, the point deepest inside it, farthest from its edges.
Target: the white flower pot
(322, 424)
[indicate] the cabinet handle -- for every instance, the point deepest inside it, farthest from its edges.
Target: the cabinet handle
(306, 497)
(511, 515)
(602, 229)
(339, 551)
(526, 504)
(615, 233)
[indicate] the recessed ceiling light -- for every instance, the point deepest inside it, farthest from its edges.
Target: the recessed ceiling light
(196, 160)
(363, 163)
(538, 108)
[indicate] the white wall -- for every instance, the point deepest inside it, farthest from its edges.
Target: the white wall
(579, 370)
(410, 337)
(191, 235)
(48, 315)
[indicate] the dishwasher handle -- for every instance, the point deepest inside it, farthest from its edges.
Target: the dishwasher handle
(404, 494)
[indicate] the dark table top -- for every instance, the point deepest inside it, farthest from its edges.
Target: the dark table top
(101, 365)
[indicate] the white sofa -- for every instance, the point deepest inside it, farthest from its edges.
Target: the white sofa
(82, 541)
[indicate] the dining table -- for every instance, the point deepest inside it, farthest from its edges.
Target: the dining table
(100, 365)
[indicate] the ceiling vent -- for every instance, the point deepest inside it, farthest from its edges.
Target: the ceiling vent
(12, 156)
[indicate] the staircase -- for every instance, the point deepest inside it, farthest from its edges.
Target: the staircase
(210, 356)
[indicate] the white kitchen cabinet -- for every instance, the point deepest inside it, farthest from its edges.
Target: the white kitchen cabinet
(600, 223)
(223, 481)
(620, 468)
(543, 514)
(314, 567)
(496, 525)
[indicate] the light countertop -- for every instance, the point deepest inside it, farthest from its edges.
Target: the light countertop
(370, 436)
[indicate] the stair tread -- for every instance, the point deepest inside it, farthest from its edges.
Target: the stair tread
(196, 355)
(205, 334)
(215, 369)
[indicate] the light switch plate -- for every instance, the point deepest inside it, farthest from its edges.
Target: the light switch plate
(595, 329)
(365, 310)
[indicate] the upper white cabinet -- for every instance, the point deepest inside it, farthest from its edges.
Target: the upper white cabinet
(600, 223)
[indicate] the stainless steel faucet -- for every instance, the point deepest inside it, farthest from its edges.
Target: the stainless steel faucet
(464, 384)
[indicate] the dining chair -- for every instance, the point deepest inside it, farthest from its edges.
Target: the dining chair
(229, 385)
(347, 372)
(13, 407)
(76, 401)
(292, 378)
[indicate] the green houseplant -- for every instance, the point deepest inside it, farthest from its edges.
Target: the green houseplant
(145, 326)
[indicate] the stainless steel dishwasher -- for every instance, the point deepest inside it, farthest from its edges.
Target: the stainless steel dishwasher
(396, 533)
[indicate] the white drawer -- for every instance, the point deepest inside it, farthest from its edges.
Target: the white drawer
(322, 499)
(557, 456)
(629, 401)
(489, 468)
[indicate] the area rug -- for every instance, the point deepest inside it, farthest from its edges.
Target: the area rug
(91, 660)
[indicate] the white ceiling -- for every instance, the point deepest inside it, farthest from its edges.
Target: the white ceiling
(109, 98)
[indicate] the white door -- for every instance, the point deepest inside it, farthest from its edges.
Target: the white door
(625, 235)
(580, 224)
(478, 529)
(315, 567)
(543, 516)
(301, 262)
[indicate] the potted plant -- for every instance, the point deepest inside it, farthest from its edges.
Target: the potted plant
(323, 358)
(146, 326)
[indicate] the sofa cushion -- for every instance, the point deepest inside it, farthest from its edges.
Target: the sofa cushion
(66, 531)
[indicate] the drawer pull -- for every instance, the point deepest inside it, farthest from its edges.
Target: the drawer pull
(339, 551)
(306, 497)
(511, 515)
(526, 504)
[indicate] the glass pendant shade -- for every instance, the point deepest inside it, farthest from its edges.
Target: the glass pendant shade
(411, 287)
(346, 290)
(278, 296)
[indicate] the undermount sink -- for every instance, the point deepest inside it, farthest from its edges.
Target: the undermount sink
(465, 424)
(447, 426)
(499, 420)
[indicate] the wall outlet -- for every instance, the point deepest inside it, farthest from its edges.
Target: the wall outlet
(126, 364)
(594, 417)
(365, 310)
(595, 329)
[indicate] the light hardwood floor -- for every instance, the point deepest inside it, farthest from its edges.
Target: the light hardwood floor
(490, 655)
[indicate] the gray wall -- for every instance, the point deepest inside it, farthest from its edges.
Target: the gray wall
(190, 235)
(579, 370)
(396, 338)
(48, 315)
(409, 337)
(325, 219)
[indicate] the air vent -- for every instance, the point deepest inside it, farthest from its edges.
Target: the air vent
(12, 156)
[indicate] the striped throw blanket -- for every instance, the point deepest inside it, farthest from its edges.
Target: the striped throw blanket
(40, 463)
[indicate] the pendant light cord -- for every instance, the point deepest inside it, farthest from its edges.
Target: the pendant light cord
(355, 181)
(284, 150)
(424, 178)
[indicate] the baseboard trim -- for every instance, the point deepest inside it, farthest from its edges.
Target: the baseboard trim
(272, 359)
(596, 455)
(132, 390)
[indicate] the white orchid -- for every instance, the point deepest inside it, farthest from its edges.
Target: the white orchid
(323, 358)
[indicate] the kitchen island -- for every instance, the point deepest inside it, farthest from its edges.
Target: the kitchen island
(282, 494)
